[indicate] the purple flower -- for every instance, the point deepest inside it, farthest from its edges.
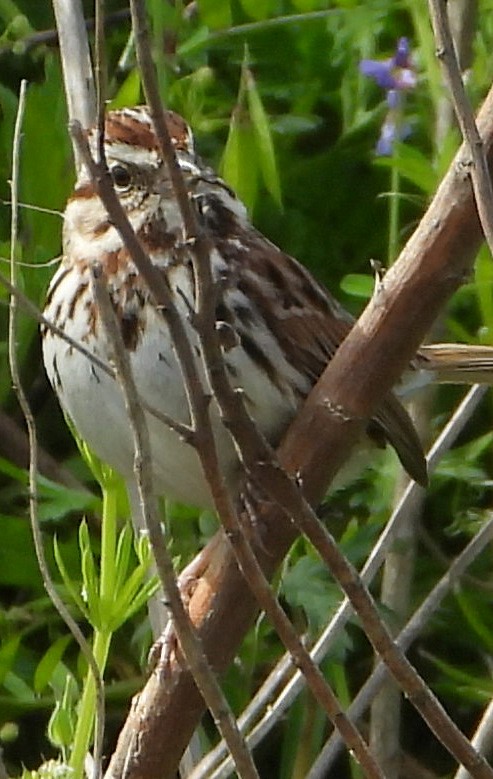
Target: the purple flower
(396, 75)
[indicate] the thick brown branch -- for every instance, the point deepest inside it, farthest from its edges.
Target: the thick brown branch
(434, 263)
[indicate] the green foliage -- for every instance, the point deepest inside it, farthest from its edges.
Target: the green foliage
(293, 125)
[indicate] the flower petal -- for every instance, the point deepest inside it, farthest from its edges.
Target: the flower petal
(388, 135)
(380, 71)
(402, 52)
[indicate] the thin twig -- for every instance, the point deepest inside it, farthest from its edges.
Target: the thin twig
(189, 640)
(482, 739)
(160, 289)
(50, 37)
(205, 325)
(33, 464)
(480, 176)
(260, 462)
(431, 267)
(263, 698)
(76, 63)
(404, 640)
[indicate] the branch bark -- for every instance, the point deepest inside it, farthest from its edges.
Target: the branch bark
(437, 259)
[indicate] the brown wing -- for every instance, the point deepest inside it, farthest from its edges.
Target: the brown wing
(309, 325)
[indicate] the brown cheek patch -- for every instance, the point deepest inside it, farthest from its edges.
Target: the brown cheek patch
(85, 192)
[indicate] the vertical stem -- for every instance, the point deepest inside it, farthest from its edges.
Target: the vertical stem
(108, 544)
(85, 719)
(393, 214)
(102, 633)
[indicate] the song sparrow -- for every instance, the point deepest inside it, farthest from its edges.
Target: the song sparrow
(282, 327)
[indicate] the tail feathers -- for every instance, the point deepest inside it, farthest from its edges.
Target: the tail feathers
(393, 420)
(456, 363)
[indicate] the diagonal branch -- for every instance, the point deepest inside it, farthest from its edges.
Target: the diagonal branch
(437, 259)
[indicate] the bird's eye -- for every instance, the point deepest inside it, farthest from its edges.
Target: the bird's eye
(121, 177)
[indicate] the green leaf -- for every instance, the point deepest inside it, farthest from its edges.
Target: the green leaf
(129, 92)
(90, 577)
(239, 165)
(358, 285)
(18, 566)
(123, 550)
(477, 624)
(257, 9)
(307, 585)
(61, 727)
(215, 14)
(18, 688)
(49, 662)
(8, 653)
(71, 586)
(263, 138)
(484, 286)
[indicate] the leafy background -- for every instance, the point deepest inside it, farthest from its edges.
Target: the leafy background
(321, 194)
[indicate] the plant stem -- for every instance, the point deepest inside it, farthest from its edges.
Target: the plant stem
(102, 634)
(393, 215)
(85, 719)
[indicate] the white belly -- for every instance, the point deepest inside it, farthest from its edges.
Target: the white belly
(94, 402)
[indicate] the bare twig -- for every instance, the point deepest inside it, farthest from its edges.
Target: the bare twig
(33, 464)
(260, 462)
(263, 698)
(482, 739)
(405, 638)
(480, 176)
(161, 292)
(50, 37)
(205, 325)
(76, 63)
(363, 352)
(189, 641)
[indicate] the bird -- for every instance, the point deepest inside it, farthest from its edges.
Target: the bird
(278, 326)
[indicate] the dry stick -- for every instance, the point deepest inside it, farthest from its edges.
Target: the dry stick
(189, 641)
(405, 638)
(259, 459)
(205, 324)
(33, 459)
(480, 176)
(484, 198)
(437, 258)
(295, 684)
(76, 61)
(163, 298)
(482, 739)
